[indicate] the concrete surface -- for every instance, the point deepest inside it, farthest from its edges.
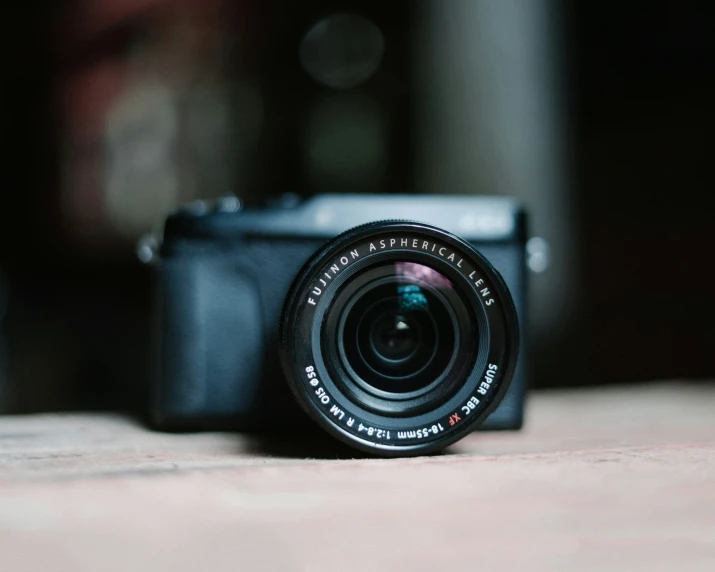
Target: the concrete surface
(616, 479)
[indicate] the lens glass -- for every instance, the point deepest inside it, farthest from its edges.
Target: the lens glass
(399, 332)
(395, 335)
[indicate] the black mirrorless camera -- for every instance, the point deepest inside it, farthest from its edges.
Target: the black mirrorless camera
(392, 320)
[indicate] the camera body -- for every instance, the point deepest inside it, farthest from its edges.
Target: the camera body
(223, 275)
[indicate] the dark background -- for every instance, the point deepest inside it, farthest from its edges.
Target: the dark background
(635, 92)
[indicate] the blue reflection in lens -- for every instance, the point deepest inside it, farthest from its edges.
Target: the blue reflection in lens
(410, 297)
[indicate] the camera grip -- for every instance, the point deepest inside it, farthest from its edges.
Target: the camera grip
(210, 340)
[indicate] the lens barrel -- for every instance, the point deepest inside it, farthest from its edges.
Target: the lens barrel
(398, 338)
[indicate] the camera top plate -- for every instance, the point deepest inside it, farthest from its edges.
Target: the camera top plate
(474, 218)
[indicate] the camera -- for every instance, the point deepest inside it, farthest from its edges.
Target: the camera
(392, 321)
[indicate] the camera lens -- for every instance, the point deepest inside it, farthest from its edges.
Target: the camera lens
(398, 338)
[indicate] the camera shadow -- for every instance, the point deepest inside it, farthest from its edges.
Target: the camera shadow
(311, 444)
(305, 443)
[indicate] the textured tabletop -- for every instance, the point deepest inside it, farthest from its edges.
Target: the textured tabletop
(617, 478)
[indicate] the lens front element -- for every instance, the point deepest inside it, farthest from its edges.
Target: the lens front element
(398, 334)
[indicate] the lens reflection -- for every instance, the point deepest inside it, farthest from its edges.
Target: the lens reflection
(399, 334)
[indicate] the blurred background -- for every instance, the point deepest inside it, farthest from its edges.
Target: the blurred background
(597, 115)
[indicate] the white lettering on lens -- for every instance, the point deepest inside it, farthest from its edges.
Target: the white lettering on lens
(337, 412)
(451, 257)
(311, 301)
(441, 251)
(471, 405)
(317, 291)
(425, 245)
(488, 378)
(422, 433)
(324, 398)
(335, 269)
(459, 264)
(403, 242)
(372, 247)
(354, 254)
(392, 242)
(415, 242)
(312, 379)
(382, 244)
(344, 260)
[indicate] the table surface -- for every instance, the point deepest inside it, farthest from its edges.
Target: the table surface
(621, 478)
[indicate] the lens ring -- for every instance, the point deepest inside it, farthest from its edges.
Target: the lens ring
(477, 387)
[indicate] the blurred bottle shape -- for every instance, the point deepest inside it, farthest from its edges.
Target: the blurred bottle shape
(490, 120)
